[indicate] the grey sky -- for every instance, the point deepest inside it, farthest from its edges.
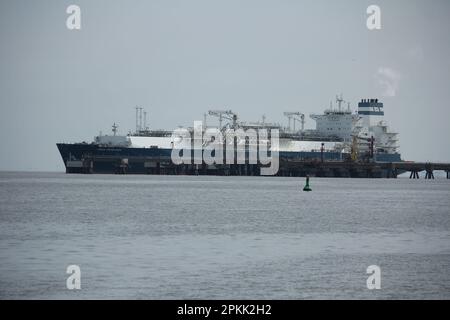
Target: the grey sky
(178, 59)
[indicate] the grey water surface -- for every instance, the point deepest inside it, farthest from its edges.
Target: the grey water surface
(202, 237)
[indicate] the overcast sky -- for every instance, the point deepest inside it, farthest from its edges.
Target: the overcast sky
(178, 59)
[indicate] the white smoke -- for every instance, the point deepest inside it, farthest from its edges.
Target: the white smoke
(389, 80)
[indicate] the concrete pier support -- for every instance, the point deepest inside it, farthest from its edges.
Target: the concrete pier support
(391, 172)
(429, 174)
(429, 171)
(414, 174)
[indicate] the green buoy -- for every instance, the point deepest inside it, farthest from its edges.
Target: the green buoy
(307, 187)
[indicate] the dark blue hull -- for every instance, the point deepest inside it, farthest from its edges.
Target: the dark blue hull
(93, 158)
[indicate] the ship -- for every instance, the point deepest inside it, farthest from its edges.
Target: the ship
(340, 135)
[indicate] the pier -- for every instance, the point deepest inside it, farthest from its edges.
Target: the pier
(363, 169)
(287, 168)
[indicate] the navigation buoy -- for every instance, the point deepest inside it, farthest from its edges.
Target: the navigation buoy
(307, 187)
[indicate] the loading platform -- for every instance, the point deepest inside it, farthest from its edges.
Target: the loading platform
(364, 169)
(287, 167)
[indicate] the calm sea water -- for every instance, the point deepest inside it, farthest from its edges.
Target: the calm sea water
(177, 237)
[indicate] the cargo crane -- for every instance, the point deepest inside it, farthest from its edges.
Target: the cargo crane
(295, 116)
(354, 146)
(224, 114)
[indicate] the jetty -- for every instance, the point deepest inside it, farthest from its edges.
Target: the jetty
(361, 169)
(287, 168)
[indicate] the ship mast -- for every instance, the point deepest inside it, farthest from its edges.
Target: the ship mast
(137, 112)
(139, 124)
(339, 100)
(114, 128)
(145, 120)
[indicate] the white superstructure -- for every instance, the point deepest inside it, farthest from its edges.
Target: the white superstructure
(336, 122)
(372, 125)
(338, 129)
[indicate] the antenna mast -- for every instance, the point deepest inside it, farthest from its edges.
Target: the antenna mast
(114, 128)
(145, 120)
(137, 119)
(140, 118)
(339, 101)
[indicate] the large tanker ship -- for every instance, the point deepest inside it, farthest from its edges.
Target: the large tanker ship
(340, 135)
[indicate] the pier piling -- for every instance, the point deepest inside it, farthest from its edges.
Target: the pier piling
(414, 174)
(391, 171)
(429, 171)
